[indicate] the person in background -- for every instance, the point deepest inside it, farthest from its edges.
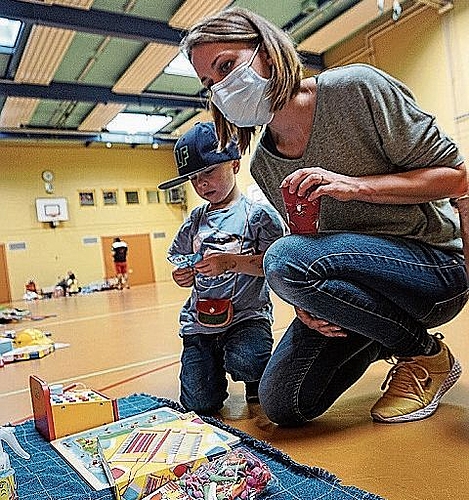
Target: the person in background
(119, 251)
(226, 323)
(31, 291)
(72, 284)
(387, 263)
(61, 285)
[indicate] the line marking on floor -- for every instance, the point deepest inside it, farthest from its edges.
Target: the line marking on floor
(117, 313)
(102, 372)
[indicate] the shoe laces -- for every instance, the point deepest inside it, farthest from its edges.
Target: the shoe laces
(407, 377)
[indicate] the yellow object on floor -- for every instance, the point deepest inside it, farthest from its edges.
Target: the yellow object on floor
(31, 336)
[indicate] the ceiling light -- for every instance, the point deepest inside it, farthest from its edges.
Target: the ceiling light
(180, 66)
(133, 123)
(9, 30)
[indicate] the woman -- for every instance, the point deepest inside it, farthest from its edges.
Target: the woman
(387, 263)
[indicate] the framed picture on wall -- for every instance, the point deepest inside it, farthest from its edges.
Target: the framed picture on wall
(153, 196)
(110, 197)
(131, 197)
(86, 198)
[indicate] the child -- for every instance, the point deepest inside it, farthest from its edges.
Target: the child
(119, 250)
(218, 251)
(72, 284)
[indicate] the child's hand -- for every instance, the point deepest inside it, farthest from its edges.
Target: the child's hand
(184, 276)
(215, 264)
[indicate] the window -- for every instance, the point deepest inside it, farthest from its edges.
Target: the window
(9, 31)
(153, 196)
(131, 197)
(110, 197)
(86, 198)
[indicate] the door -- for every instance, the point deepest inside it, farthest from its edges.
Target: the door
(139, 258)
(5, 292)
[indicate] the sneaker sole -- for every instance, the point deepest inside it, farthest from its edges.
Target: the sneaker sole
(431, 408)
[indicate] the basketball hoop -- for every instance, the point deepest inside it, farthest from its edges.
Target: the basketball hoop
(52, 210)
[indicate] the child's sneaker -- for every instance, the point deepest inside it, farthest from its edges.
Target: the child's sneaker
(416, 385)
(252, 392)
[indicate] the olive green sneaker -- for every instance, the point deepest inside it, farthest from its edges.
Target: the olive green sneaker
(415, 386)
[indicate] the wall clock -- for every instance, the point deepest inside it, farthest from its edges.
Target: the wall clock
(47, 176)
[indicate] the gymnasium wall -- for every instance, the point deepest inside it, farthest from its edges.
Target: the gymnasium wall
(424, 49)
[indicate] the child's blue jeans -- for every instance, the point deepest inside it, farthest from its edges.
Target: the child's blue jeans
(384, 291)
(242, 351)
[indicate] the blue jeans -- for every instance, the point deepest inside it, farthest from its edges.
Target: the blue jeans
(384, 291)
(242, 351)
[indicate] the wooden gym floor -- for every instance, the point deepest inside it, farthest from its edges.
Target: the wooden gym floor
(126, 342)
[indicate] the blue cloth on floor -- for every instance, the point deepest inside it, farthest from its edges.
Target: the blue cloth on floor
(47, 476)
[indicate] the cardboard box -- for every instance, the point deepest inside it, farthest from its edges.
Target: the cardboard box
(139, 461)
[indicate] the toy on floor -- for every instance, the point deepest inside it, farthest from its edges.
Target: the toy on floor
(28, 344)
(7, 473)
(60, 411)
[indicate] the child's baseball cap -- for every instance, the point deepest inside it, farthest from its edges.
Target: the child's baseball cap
(197, 150)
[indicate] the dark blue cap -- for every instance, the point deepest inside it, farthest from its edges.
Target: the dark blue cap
(197, 150)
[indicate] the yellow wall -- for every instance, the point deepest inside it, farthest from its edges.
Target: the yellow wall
(428, 52)
(425, 50)
(50, 252)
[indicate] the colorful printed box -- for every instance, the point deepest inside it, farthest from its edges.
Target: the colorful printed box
(139, 461)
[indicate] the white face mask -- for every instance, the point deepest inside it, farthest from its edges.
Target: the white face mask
(240, 96)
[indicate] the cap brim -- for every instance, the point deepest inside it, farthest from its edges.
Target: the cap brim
(173, 182)
(177, 181)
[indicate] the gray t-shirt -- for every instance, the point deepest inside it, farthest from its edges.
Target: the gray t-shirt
(246, 228)
(368, 123)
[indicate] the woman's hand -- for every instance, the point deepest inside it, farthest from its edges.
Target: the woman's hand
(419, 185)
(320, 325)
(184, 276)
(316, 181)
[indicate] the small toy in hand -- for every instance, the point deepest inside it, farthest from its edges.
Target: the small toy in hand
(182, 261)
(238, 475)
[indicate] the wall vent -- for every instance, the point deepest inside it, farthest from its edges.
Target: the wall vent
(19, 245)
(90, 240)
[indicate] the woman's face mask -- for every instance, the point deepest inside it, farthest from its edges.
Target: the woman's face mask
(240, 96)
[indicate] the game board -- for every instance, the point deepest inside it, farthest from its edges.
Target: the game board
(80, 450)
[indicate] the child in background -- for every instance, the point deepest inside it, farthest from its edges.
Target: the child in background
(226, 323)
(72, 284)
(119, 250)
(30, 291)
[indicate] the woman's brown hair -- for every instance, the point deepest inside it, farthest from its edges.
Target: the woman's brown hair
(242, 25)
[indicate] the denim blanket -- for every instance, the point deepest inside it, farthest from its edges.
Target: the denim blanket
(46, 476)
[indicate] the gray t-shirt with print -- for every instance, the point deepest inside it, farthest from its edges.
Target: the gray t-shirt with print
(368, 123)
(246, 228)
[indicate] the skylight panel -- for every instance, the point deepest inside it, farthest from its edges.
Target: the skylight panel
(9, 30)
(180, 66)
(135, 123)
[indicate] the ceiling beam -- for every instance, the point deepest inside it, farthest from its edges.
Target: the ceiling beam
(97, 94)
(108, 24)
(94, 21)
(70, 135)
